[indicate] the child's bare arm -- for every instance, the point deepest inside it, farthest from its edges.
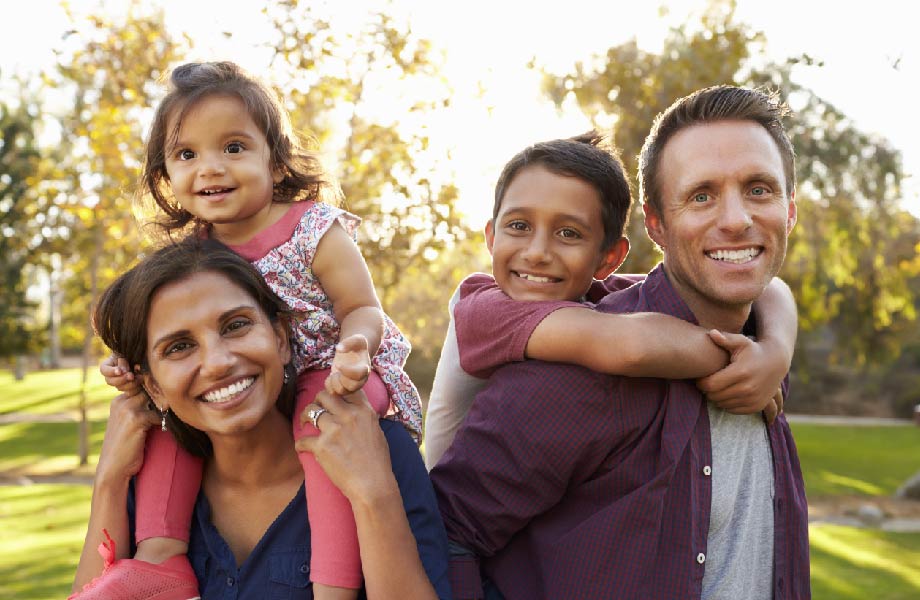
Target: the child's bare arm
(635, 345)
(757, 369)
(342, 272)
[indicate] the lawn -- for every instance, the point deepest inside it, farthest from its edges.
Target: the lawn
(44, 524)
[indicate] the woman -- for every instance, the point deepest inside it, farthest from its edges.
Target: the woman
(212, 342)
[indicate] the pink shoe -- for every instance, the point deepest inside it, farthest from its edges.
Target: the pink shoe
(130, 579)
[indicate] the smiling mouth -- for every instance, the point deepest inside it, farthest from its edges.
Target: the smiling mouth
(737, 257)
(212, 192)
(536, 278)
(227, 393)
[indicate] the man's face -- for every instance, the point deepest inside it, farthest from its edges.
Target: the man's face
(725, 216)
(546, 241)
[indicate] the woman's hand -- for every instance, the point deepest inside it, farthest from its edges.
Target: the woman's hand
(126, 431)
(351, 447)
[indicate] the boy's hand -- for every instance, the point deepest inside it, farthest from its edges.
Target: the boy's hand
(749, 383)
(117, 374)
(350, 367)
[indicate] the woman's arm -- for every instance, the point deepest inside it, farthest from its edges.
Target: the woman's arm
(351, 448)
(342, 272)
(120, 459)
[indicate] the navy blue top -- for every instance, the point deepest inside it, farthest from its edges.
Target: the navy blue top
(279, 566)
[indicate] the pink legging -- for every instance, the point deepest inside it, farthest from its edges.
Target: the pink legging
(169, 480)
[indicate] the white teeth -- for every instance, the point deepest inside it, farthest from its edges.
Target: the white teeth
(735, 256)
(211, 192)
(535, 278)
(226, 393)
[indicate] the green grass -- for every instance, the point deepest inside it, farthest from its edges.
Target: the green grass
(43, 525)
(869, 461)
(855, 564)
(57, 391)
(43, 528)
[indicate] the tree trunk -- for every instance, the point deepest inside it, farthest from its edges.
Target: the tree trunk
(88, 343)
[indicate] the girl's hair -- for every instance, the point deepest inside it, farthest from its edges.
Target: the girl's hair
(303, 175)
(120, 316)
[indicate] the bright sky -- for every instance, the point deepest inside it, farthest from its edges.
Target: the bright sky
(871, 53)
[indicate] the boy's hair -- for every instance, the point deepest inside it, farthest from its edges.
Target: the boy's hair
(303, 175)
(587, 157)
(120, 316)
(710, 105)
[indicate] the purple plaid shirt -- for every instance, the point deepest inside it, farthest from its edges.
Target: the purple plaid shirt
(572, 484)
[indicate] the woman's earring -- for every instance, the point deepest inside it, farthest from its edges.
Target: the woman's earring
(287, 376)
(163, 420)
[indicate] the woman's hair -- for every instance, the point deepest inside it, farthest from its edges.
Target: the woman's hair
(120, 316)
(303, 175)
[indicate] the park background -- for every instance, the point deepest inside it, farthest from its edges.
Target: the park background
(415, 107)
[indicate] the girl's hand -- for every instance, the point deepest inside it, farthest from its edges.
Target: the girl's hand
(118, 374)
(125, 434)
(749, 383)
(351, 447)
(350, 367)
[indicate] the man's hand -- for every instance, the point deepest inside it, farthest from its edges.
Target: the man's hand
(350, 367)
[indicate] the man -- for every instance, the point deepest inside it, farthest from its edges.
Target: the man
(571, 484)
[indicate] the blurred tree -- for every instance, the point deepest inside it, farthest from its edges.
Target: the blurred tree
(19, 158)
(365, 93)
(109, 73)
(847, 257)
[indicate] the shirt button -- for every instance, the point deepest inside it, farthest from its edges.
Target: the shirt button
(701, 558)
(230, 581)
(707, 470)
(304, 568)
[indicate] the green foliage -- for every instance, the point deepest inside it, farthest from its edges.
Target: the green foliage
(19, 157)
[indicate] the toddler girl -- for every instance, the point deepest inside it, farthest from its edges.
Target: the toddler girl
(222, 161)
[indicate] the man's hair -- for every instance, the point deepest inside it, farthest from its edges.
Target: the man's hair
(587, 157)
(303, 176)
(710, 105)
(120, 317)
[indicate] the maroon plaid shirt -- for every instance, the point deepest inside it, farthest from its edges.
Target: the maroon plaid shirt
(572, 484)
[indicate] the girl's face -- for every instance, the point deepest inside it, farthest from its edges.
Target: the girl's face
(215, 358)
(220, 170)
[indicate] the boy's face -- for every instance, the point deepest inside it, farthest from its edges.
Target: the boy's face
(546, 239)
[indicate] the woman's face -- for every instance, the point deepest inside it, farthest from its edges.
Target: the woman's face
(215, 358)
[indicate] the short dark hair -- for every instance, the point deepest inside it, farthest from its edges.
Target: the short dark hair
(588, 157)
(120, 316)
(303, 176)
(710, 105)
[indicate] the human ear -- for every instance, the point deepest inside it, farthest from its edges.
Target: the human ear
(654, 225)
(792, 215)
(612, 258)
(490, 234)
(153, 390)
(284, 345)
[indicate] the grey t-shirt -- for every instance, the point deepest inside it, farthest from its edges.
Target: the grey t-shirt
(739, 560)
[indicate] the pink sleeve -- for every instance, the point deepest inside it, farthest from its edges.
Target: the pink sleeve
(492, 329)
